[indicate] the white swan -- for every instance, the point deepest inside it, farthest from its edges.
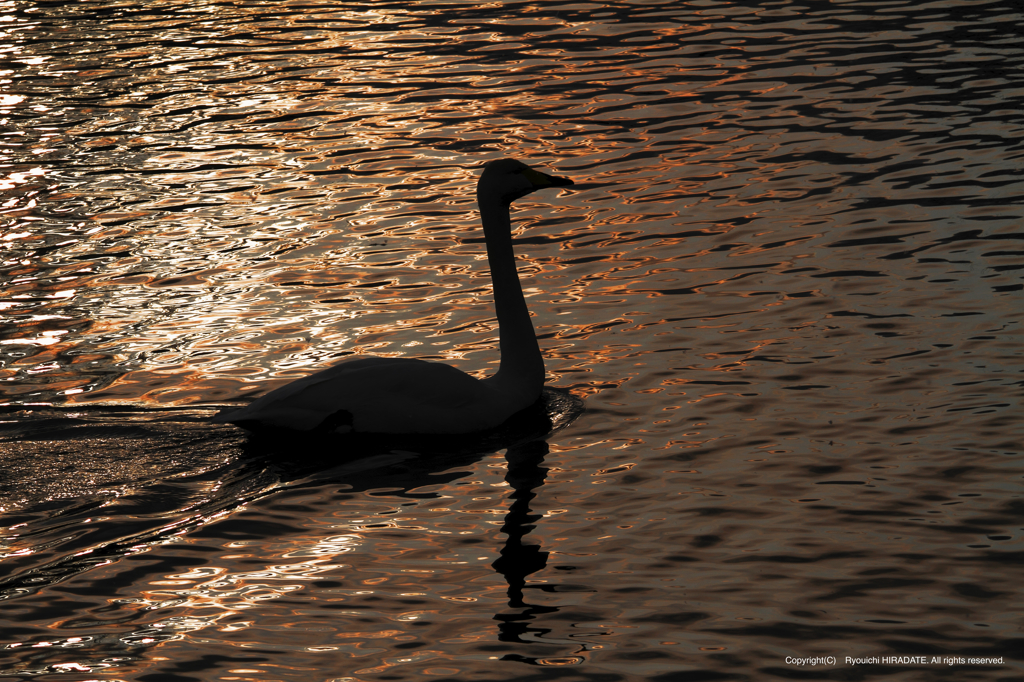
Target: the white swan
(404, 395)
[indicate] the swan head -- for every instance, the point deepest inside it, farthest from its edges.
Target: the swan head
(506, 180)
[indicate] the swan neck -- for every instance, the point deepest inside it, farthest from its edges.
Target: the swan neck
(522, 366)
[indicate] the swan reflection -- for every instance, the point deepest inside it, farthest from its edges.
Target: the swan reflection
(525, 475)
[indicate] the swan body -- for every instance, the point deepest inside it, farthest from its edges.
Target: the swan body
(405, 395)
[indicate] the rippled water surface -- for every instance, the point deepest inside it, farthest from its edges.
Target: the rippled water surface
(787, 285)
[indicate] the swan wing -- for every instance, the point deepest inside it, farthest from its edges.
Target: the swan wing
(379, 395)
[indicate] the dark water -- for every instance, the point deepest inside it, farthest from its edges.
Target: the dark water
(787, 284)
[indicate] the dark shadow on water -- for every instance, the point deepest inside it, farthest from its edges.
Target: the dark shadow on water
(553, 411)
(403, 461)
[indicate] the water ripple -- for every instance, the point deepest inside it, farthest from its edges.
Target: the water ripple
(786, 281)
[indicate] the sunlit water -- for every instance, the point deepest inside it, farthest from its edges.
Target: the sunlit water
(787, 284)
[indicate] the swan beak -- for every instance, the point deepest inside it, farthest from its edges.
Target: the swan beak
(541, 180)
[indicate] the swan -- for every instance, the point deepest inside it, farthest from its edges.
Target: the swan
(411, 396)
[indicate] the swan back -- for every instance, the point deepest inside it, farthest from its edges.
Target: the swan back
(380, 395)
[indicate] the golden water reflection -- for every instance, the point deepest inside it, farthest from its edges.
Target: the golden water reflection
(786, 282)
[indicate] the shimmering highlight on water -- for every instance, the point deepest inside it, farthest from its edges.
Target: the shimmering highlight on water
(787, 283)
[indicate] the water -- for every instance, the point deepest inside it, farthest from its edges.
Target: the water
(786, 285)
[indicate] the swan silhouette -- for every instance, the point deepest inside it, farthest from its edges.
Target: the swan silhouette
(410, 396)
